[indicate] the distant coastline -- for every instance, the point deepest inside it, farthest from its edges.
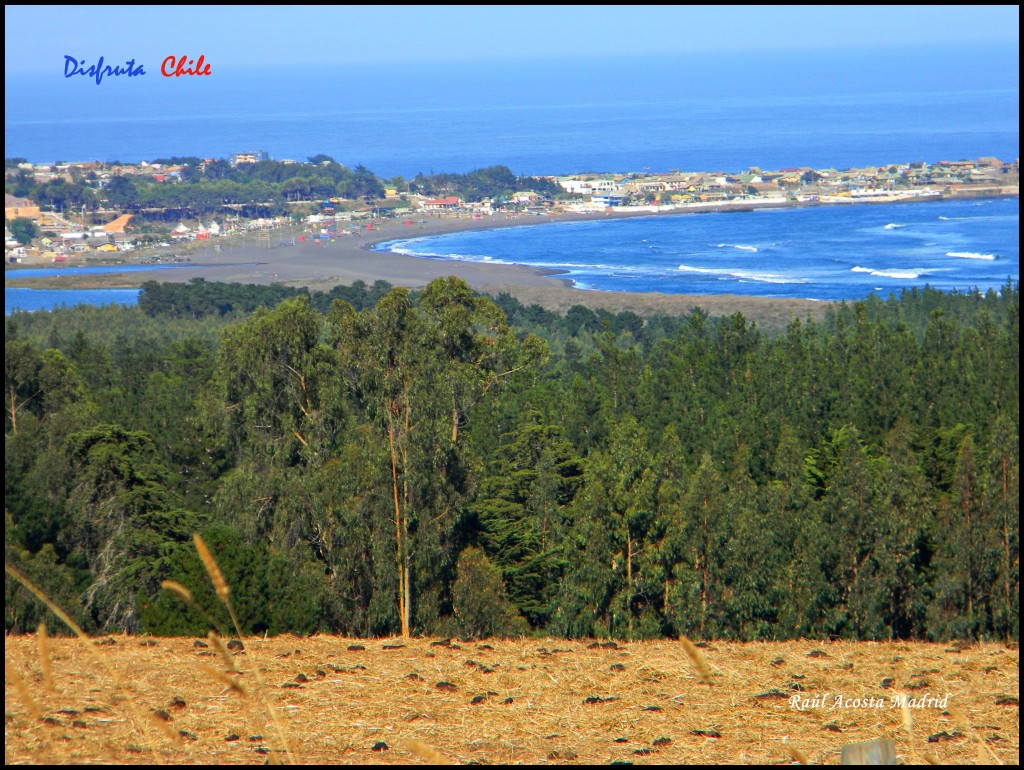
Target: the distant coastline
(339, 239)
(358, 256)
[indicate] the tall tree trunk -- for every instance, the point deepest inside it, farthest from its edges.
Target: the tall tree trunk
(403, 581)
(1007, 601)
(629, 580)
(407, 499)
(706, 543)
(14, 414)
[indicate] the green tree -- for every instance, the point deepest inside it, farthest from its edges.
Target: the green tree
(122, 520)
(21, 381)
(1002, 501)
(417, 371)
(522, 510)
(273, 371)
(23, 229)
(967, 554)
(904, 551)
(705, 529)
(614, 518)
(478, 598)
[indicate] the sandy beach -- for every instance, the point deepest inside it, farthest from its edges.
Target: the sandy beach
(320, 266)
(280, 257)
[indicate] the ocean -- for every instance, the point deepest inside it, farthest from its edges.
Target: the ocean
(728, 112)
(825, 253)
(827, 109)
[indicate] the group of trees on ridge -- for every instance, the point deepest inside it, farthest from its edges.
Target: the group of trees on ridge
(383, 461)
(262, 188)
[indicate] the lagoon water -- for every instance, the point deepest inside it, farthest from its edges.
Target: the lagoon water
(47, 299)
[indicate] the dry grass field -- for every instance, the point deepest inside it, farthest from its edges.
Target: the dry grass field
(340, 701)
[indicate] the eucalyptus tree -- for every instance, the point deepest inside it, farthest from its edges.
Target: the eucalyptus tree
(417, 369)
(614, 521)
(1002, 500)
(967, 555)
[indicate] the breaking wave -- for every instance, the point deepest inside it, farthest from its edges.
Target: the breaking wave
(889, 273)
(970, 255)
(743, 275)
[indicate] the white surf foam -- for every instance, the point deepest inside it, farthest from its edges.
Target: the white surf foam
(743, 275)
(970, 255)
(889, 273)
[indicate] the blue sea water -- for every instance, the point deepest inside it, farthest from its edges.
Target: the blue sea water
(727, 112)
(703, 112)
(825, 253)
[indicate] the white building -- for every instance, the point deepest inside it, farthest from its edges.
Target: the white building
(589, 186)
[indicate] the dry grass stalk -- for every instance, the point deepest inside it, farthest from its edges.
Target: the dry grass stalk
(178, 589)
(229, 681)
(19, 685)
(908, 723)
(94, 651)
(798, 755)
(218, 643)
(163, 727)
(699, 664)
(432, 755)
(985, 754)
(220, 585)
(908, 718)
(44, 654)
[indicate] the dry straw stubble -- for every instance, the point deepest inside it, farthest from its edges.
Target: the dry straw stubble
(44, 655)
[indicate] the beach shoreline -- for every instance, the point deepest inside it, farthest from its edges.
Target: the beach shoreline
(318, 265)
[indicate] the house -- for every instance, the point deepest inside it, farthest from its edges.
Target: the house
(19, 207)
(608, 199)
(588, 186)
(441, 204)
(255, 156)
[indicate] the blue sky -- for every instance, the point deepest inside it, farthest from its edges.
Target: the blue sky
(36, 38)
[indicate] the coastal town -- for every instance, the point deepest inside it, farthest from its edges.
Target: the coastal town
(117, 211)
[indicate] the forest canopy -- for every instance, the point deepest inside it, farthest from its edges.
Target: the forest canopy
(373, 461)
